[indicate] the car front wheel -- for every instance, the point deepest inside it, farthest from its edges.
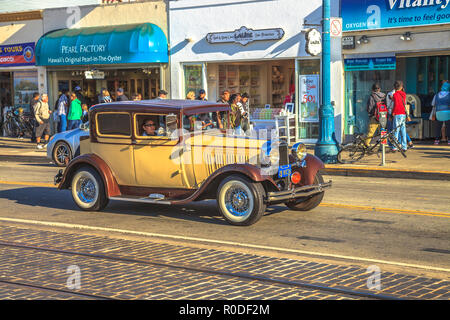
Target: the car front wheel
(308, 203)
(240, 200)
(62, 154)
(88, 190)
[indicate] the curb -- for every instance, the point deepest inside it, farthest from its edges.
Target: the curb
(386, 173)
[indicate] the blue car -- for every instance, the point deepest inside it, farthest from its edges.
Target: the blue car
(64, 146)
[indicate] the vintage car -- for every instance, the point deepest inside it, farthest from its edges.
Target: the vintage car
(179, 151)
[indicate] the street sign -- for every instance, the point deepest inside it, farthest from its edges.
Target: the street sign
(313, 42)
(336, 27)
(348, 42)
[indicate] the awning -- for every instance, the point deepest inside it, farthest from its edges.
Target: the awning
(134, 43)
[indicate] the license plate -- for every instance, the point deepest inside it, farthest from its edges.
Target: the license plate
(284, 171)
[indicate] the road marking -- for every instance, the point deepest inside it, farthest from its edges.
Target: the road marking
(221, 242)
(329, 205)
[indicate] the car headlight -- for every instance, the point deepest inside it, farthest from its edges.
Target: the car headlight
(299, 151)
(274, 156)
(270, 154)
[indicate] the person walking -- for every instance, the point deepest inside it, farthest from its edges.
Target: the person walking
(120, 96)
(235, 114)
(162, 94)
(202, 95)
(62, 109)
(225, 97)
(105, 97)
(34, 124)
(75, 113)
(190, 95)
(441, 112)
(42, 115)
(79, 94)
(375, 97)
(399, 114)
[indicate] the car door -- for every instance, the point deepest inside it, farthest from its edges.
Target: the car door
(156, 158)
(113, 145)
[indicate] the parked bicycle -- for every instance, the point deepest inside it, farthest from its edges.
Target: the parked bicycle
(17, 123)
(357, 149)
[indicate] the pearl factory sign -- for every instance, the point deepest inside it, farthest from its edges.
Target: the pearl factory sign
(244, 35)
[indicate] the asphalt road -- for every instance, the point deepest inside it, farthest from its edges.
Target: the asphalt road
(369, 220)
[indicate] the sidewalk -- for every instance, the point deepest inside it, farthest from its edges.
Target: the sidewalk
(424, 161)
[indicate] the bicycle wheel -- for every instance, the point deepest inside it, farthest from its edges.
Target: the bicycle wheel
(397, 145)
(350, 153)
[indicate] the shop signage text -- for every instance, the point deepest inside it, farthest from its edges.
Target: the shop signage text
(379, 14)
(17, 55)
(313, 42)
(83, 48)
(378, 63)
(309, 98)
(244, 35)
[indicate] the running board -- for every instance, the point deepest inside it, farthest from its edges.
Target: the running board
(141, 200)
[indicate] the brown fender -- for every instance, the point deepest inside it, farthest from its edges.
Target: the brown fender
(313, 164)
(212, 182)
(111, 186)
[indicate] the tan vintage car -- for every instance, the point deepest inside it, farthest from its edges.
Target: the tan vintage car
(179, 151)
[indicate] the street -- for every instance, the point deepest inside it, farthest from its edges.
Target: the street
(401, 226)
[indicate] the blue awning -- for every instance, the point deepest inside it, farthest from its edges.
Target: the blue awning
(136, 43)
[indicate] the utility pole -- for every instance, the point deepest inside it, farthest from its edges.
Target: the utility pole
(326, 147)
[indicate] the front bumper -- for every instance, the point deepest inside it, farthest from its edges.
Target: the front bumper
(305, 191)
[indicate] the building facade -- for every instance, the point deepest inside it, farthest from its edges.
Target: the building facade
(254, 47)
(385, 41)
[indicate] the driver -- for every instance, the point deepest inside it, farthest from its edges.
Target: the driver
(149, 127)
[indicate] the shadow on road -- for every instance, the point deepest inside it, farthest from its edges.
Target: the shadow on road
(51, 198)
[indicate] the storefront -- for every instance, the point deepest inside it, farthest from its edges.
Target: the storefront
(130, 57)
(19, 76)
(107, 46)
(384, 43)
(224, 47)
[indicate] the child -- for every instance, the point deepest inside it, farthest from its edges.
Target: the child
(84, 116)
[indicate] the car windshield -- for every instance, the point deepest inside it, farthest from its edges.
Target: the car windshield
(205, 121)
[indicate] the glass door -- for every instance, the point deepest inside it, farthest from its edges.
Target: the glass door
(194, 78)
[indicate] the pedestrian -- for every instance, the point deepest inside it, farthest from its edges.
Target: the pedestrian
(34, 124)
(42, 116)
(62, 110)
(162, 94)
(399, 114)
(235, 113)
(376, 96)
(190, 95)
(202, 95)
(79, 94)
(135, 97)
(120, 96)
(225, 97)
(75, 113)
(84, 115)
(245, 111)
(105, 97)
(139, 97)
(441, 113)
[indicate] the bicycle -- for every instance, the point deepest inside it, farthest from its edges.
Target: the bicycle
(357, 149)
(17, 124)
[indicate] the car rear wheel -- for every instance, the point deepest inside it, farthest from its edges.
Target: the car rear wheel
(308, 203)
(61, 154)
(88, 190)
(240, 200)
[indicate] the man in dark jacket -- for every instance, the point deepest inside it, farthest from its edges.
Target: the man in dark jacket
(120, 96)
(375, 97)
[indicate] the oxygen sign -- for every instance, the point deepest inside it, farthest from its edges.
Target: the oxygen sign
(380, 14)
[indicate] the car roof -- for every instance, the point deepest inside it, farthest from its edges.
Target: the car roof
(162, 105)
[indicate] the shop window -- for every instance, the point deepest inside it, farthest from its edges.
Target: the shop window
(114, 124)
(193, 78)
(309, 99)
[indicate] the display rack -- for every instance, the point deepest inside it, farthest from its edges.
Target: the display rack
(241, 78)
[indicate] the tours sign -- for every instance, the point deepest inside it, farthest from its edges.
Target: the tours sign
(380, 14)
(21, 54)
(244, 35)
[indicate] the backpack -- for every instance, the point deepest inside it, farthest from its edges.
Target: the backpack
(381, 113)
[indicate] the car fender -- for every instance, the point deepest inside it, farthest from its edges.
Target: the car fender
(211, 184)
(308, 172)
(111, 186)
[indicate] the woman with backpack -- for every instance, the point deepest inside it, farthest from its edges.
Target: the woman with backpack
(375, 99)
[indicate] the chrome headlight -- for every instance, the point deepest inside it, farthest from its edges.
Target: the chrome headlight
(270, 154)
(274, 156)
(299, 151)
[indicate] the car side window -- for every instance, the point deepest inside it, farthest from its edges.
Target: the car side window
(204, 121)
(151, 125)
(114, 124)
